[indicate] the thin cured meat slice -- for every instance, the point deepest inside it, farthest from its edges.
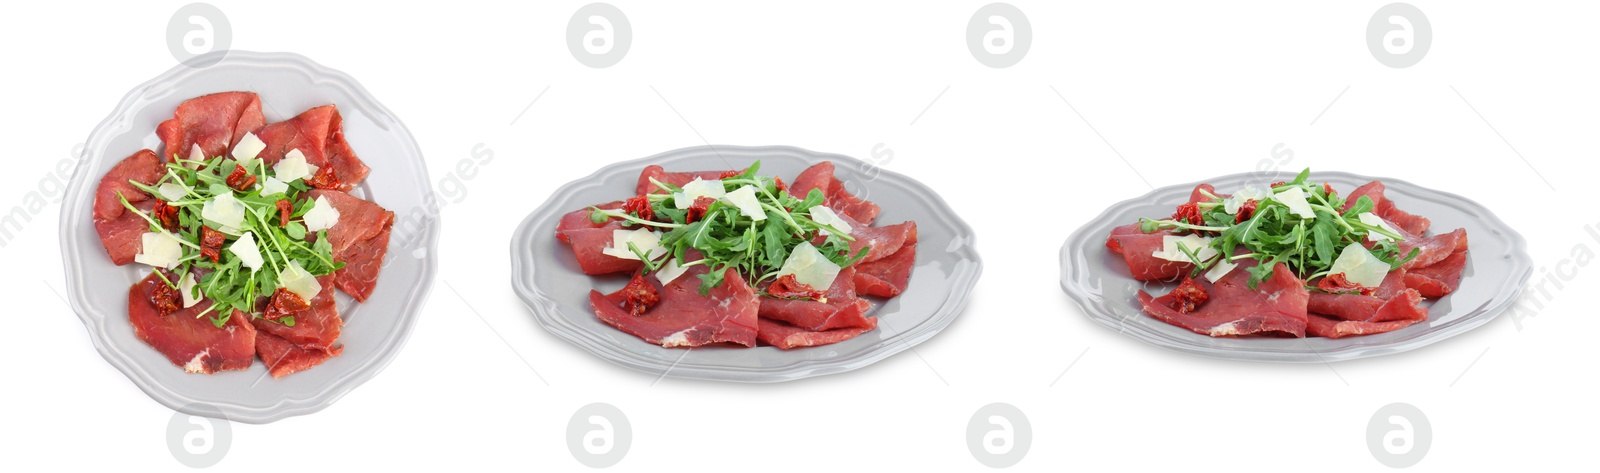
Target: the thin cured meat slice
(284, 358)
(644, 186)
(1138, 248)
(360, 239)
(1439, 279)
(316, 327)
(1383, 207)
(120, 230)
(1391, 300)
(589, 241)
(887, 277)
(820, 176)
(1431, 250)
(1319, 326)
(213, 122)
(1276, 307)
(883, 241)
(785, 336)
(840, 308)
(319, 134)
(190, 342)
(683, 317)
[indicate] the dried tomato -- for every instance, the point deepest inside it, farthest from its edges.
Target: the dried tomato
(241, 179)
(698, 210)
(787, 287)
(731, 174)
(639, 296)
(166, 299)
(639, 206)
(211, 244)
(166, 214)
(1336, 283)
(778, 182)
(1188, 296)
(284, 304)
(1276, 184)
(1327, 189)
(285, 210)
(1189, 213)
(325, 178)
(1246, 211)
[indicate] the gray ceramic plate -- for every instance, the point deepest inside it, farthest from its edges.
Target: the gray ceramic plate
(374, 331)
(1497, 267)
(547, 278)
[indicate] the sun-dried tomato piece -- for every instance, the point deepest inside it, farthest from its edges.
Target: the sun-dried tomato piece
(325, 178)
(285, 210)
(166, 215)
(639, 296)
(1246, 211)
(166, 299)
(284, 304)
(1337, 283)
(778, 182)
(241, 179)
(1189, 213)
(698, 210)
(639, 206)
(731, 174)
(1327, 189)
(1189, 296)
(787, 287)
(211, 244)
(1276, 184)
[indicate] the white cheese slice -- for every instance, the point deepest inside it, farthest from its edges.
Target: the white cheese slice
(1222, 268)
(186, 288)
(670, 271)
(224, 210)
(197, 155)
(245, 248)
(827, 217)
(1196, 244)
(696, 189)
(172, 191)
(322, 215)
(273, 186)
(647, 241)
(159, 249)
(1359, 266)
(1295, 198)
(248, 148)
(299, 281)
(293, 166)
(745, 199)
(810, 267)
(1234, 202)
(1376, 221)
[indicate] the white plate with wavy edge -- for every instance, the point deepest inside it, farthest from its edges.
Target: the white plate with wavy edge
(547, 278)
(374, 331)
(1498, 265)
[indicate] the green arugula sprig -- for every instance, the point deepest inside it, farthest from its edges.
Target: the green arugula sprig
(1275, 234)
(728, 239)
(227, 283)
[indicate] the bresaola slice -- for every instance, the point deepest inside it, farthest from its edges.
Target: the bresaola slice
(840, 308)
(360, 239)
(120, 230)
(213, 122)
(644, 186)
(820, 176)
(1138, 248)
(319, 134)
(683, 317)
(887, 277)
(1276, 307)
(786, 337)
(190, 342)
(1383, 207)
(316, 327)
(589, 241)
(284, 358)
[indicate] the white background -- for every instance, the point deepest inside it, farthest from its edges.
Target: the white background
(1178, 91)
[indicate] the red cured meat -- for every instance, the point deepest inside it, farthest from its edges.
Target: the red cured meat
(820, 176)
(1438, 279)
(683, 317)
(1137, 247)
(644, 186)
(889, 276)
(883, 241)
(315, 327)
(121, 231)
(284, 358)
(1383, 207)
(841, 310)
(1406, 305)
(589, 240)
(785, 336)
(215, 122)
(1433, 249)
(194, 344)
(1319, 326)
(360, 239)
(579, 220)
(1276, 307)
(319, 134)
